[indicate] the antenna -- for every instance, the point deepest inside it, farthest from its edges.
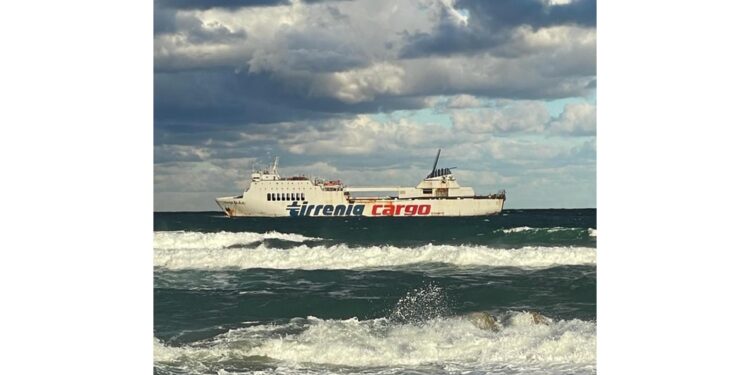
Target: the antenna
(432, 174)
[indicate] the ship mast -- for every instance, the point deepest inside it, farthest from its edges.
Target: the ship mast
(274, 165)
(434, 165)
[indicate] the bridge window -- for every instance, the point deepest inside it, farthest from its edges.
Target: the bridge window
(427, 191)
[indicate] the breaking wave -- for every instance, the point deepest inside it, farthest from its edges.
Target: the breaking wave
(518, 229)
(219, 240)
(455, 342)
(345, 257)
(547, 230)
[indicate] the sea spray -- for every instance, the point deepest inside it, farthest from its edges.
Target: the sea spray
(420, 305)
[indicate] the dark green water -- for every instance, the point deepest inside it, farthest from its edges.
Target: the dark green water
(375, 295)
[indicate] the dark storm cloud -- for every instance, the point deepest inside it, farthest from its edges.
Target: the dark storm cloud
(188, 101)
(491, 21)
(164, 20)
(227, 4)
(224, 96)
(447, 38)
(502, 14)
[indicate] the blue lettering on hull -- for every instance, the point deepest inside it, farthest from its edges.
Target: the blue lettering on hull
(295, 209)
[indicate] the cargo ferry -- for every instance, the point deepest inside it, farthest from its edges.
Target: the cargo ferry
(438, 194)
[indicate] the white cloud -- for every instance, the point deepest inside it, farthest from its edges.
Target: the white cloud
(362, 135)
(559, 2)
(464, 101)
(182, 152)
(576, 119)
(521, 116)
(363, 84)
(456, 16)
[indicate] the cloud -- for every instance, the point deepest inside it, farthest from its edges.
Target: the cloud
(493, 25)
(362, 84)
(362, 135)
(226, 4)
(503, 14)
(522, 116)
(464, 101)
(168, 153)
(576, 119)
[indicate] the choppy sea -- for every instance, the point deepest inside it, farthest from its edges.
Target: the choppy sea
(375, 295)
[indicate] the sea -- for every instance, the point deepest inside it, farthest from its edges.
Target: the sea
(512, 293)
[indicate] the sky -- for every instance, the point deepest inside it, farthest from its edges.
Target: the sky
(367, 91)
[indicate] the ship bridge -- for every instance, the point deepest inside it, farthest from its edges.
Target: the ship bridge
(440, 183)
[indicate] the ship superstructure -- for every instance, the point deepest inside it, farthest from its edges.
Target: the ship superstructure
(438, 194)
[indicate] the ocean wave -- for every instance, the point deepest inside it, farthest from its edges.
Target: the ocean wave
(518, 229)
(380, 342)
(548, 230)
(218, 240)
(345, 257)
(592, 232)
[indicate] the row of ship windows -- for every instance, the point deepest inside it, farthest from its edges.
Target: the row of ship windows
(285, 196)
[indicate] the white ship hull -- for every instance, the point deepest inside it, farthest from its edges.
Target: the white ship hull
(438, 194)
(240, 206)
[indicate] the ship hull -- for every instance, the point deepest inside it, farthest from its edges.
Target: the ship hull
(466, 206)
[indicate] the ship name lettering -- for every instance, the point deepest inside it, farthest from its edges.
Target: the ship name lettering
(295, 209)
(395, 209)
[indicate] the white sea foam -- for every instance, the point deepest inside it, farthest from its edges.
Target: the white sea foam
(344, 257)
(564, 345)
(592, 232)
(518, 229)
(530, 229)
(218, 240)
